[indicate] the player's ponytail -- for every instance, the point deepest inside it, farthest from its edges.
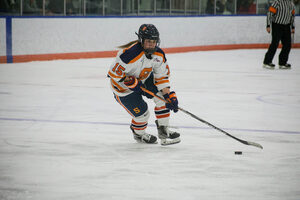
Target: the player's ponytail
(128, 44)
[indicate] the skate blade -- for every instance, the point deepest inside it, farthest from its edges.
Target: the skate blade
(143, 142)
(268, 67)
(165, 142)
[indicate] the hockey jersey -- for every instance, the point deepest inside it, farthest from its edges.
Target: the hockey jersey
(132, 61)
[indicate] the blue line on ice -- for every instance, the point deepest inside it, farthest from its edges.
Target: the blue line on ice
(127, 124)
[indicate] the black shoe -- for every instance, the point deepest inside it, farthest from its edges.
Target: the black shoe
(269, 65)
(286, 66)
(144, 138)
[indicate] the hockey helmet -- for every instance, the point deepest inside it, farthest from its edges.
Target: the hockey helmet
(148, 31)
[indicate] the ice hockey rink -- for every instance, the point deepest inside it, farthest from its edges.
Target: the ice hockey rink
(64, 137)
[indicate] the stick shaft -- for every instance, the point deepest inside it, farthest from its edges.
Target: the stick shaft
(205, 122)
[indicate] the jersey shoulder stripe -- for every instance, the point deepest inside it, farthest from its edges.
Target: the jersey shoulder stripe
(132, 54)
(161, 53)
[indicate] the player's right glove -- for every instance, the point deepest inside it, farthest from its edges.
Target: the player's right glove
(133, 84)
(173, 102)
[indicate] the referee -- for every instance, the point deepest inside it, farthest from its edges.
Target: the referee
(280, 19)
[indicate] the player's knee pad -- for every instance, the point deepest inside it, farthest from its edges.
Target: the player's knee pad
(158, 102)
(140, 123)
(142, 118)
(161, 112)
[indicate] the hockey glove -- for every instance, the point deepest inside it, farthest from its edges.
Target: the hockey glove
(133, 84)
(173, 102)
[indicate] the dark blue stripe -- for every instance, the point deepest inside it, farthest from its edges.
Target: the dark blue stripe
(9, 40)
(162, 52)
(162, 112)
(139, 126)
(131, 53)
(152, 125)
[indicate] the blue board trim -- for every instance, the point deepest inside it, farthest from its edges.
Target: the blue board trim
(9, 57)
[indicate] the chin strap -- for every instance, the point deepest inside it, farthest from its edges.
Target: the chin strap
(149, 53)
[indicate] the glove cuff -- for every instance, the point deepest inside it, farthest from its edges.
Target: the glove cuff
(169, 95)
(172, 94)
(132, 82)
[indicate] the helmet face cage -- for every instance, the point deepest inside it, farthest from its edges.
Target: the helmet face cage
(148, 31)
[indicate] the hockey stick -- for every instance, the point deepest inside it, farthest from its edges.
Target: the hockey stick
(205, 122)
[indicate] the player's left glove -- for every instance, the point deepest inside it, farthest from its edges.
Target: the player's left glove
(133, 84)
(173, 102)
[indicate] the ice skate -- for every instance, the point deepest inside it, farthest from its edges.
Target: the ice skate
(144, 138)
(269, 65)
(286, 66)
(166, 136)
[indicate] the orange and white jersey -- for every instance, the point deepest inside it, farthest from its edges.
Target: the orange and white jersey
(133, 62)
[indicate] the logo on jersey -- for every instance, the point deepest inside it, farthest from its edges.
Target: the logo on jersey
(156, 60)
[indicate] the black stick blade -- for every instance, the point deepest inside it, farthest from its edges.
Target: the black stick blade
(255, 144)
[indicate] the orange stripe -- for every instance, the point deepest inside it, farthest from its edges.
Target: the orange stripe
(138, 57)
(58, 56)
(160, 108)
(109, 54)
(114, 76)
(215, 47)
(162, 116)
(138, 123)
(3, 59)
(118, 99)
(272, 9)
(293, 12)
(114, 83)
(158, 79)
(161, 82)
(160, 54)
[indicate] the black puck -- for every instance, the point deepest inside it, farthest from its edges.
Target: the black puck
(238, 153)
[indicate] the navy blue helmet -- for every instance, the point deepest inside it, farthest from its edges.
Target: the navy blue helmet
(148, 31)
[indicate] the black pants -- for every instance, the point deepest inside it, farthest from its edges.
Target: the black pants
(281, 33)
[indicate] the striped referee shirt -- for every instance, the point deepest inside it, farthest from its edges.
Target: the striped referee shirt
(281, 12)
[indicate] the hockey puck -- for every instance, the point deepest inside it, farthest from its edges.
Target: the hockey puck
(238, 153)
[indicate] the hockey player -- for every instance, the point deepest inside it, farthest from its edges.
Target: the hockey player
(142, 63)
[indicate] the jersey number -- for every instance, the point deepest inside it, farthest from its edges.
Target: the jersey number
(118, 69)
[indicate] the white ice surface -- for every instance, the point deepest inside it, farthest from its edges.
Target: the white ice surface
(64, 137)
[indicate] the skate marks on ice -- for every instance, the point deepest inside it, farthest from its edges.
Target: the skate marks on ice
(282, 99)
(62, 135)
